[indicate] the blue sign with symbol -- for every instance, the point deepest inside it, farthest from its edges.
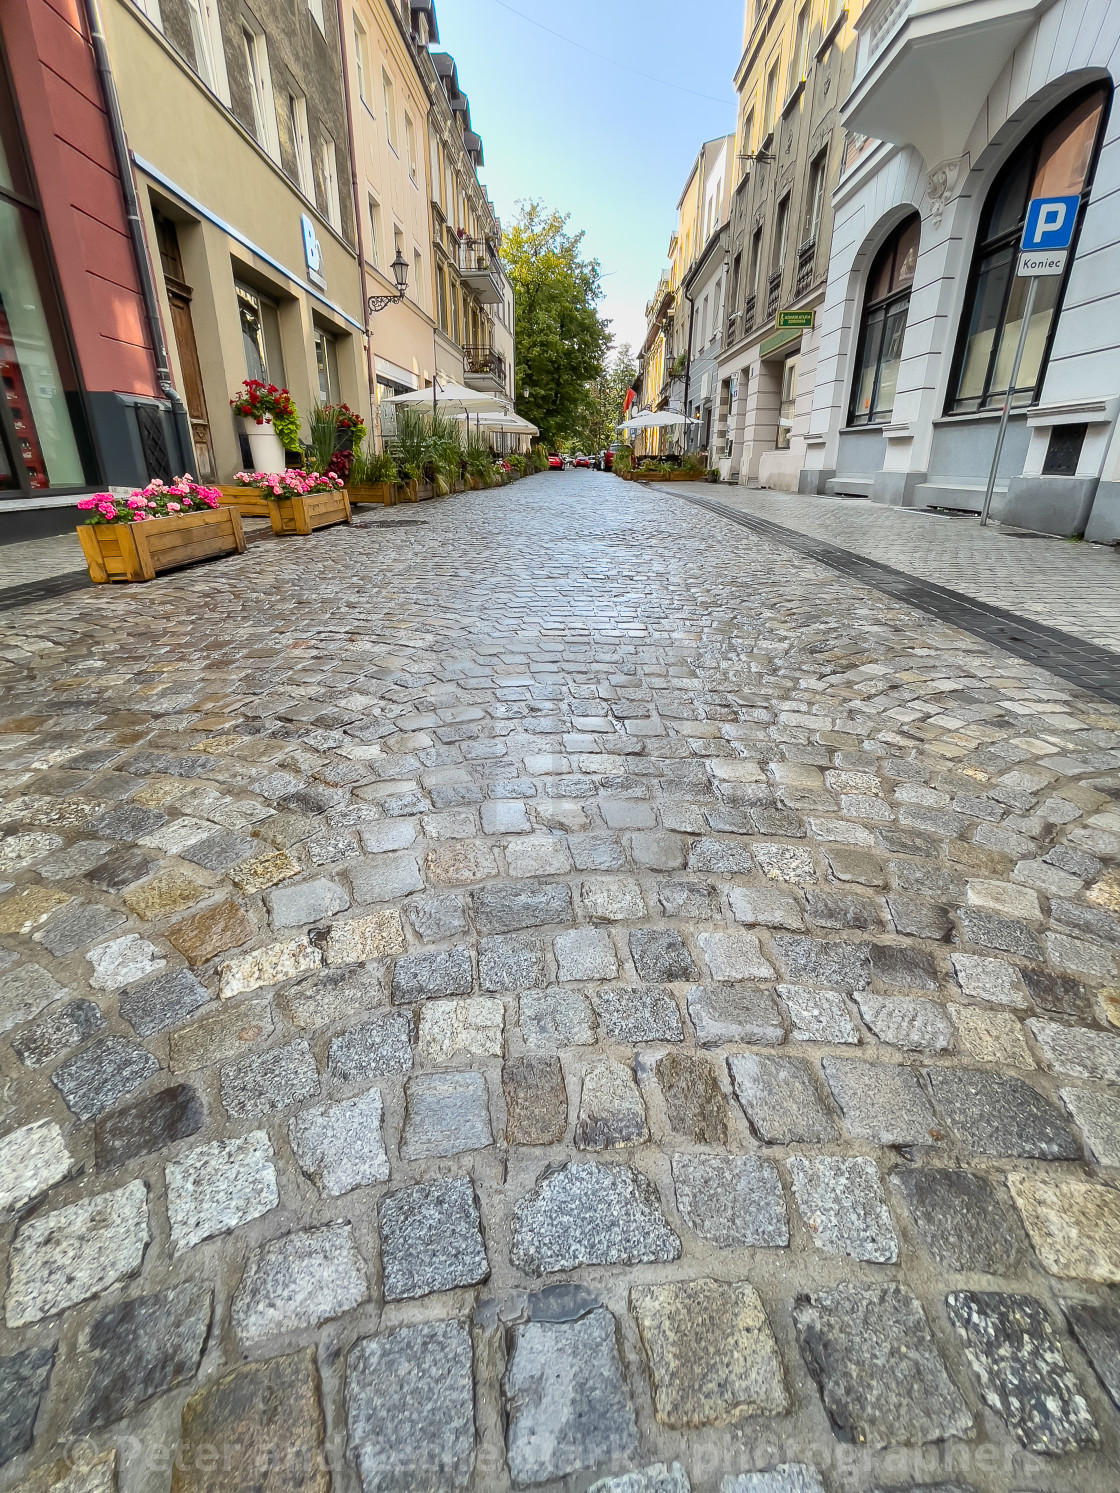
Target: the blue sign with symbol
(1049, 224)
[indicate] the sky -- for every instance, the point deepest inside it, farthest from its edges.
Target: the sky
(575, 127)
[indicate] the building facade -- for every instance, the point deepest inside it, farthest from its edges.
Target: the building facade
(797, 61)
(957, 117)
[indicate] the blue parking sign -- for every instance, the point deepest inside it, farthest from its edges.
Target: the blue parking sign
(1049, 224)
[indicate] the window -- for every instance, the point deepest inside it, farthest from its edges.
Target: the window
(702, 333)
(788, 406)
(260, 90)
(361, 60)
(326, 366)
(398, 242)
(814, 198)
(756, 262)
(374, 233)
(388, 99)
(1055, 160)
(206, 38)
(781, 233)
(260, 335)
(150, 8)
(885, 306)
(410, 145)
(745, 141)
(417, 277)
(771, 104)
(800, 42)
(330, 183)
(316, 9)
(301, 144)
(441, 297)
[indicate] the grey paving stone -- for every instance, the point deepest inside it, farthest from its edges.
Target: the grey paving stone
(57, 1032)
(694, 1102)
(270, 1081)
(832, 909)
(735, 1013)
(139, 1349)
(419, 976)
(536, 1100)
(339, 1146)
(381, 880)
(916, 917)
(32, 1159)
(998, 1114)
(555, 1018)
(904, 968)
(590, 1214)
(147, 1125)
(513, 905)
(842, 1205)
(218, 1186)
(167, 1000)
(93, 1080)
(779, 1098)
(732, 1201)
(77, 926)
(612, 899)
(1097, 1116)
(410, 1408)
(128, 822)
(734, 956)
(58, 1259)
(836, 965)
(122, 961)
(767, 905)
(299, 1281)
(596, 851)
(431, 1239)
(585, 954)
(372, 1049)
(992, 981)
(880, 1102)
(1013, 1350)
(1096, 1326)
(437, 915)
(1058, 993)
(24, 992)
(1078, 1051)
(305, 902)
(221, 851)
(24, 1377)
(658, 1478)
(511, 962)
(694, 901)
(659, 955)
(330, 994)
(988, 931)
(906, 1021)
(787, 1477)
(568, 1404)
(725, 857)
(611, 1112)
(817, 1015)
(446, 1113)
(648, 1014)
(790, 863)
(881, 1378)
(963, 1222)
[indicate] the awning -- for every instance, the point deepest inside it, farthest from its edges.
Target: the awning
(654, 420)
(454, 399)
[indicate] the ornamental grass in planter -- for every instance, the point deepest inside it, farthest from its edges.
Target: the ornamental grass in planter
(373, 477)
(299, 502)
(156, 528)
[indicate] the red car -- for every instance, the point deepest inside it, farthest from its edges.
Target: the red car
(555, 463)
(582, 461)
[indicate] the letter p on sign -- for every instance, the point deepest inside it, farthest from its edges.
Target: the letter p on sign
(1049, 223)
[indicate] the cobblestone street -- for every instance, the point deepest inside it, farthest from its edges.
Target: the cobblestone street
(544, 985)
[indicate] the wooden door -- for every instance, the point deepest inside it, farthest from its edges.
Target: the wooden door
(179, 297)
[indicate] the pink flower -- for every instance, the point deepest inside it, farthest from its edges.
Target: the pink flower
(174, 507)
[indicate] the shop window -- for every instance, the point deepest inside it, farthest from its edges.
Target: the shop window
(260, 336)
(1055, 160)
(788, 406)
(326, 366)
(883, 325)
(43, 435)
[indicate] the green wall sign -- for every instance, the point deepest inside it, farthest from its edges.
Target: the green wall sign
(802, 319)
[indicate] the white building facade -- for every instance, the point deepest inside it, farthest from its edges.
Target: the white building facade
(959, 114)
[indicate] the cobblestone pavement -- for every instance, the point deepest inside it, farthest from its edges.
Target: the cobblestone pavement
(563, 991)
(1073, 587)
(36, 559)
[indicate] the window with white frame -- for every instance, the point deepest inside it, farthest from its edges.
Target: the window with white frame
(410, 145)
(417, 277)
(331, 196)
(326, 367)
(206, 37)
(301, 144)
(389, 101)
(316, 9)
(800, 44)
(361, 59)
(260, 90)
(771, 104)
(150, 8)
(374, 232)
(814, 198)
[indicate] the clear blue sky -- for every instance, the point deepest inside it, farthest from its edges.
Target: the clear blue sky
(588, 137)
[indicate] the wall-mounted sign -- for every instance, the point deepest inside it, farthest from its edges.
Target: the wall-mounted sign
(802, 319)
(312, 252)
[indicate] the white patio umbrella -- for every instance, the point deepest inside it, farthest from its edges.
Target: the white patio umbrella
(653, 420)
(454, 398)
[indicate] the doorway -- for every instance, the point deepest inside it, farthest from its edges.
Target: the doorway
(179, 295)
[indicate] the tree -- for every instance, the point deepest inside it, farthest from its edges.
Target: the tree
(604, 404)
(561, 338)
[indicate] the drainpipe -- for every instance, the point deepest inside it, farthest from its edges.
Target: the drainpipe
(371, 377)
(180, 419)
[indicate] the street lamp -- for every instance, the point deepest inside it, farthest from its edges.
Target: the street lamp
(399, 268)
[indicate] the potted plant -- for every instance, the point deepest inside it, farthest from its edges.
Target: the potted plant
(155, 528)
(373, 476)
(477, 462)
(270, 420)
(301, 501)
(409, 447)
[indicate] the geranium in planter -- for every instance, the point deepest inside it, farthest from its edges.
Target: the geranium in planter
(270, 420)
(156, 528)
(301, 501)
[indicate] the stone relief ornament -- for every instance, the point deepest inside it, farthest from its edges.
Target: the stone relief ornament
(941, 183)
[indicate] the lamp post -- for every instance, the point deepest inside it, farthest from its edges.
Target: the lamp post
(399, 268)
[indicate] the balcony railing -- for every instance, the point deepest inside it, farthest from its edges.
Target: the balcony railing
(732, 324)
(480, 270)
(806, 258)
(773, 293)
(484, 362)
(748, 316)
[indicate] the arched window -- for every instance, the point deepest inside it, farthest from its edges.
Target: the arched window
(885, 304)
(1055, 160)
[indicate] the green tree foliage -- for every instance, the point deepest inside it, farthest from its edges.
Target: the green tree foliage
(597, 430)
(561, 338)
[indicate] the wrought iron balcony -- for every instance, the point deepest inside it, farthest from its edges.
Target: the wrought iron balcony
(747, 326)
(773, 293)
(806, 258)
(484, 369)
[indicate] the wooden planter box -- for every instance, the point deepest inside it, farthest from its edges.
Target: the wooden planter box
(474, 484)
(421, 491)
(318, 510)
(138, 552)
(373, 492)
(250, 502)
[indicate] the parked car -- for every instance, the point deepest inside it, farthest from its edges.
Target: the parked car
(605, 460)
(555, 462)
(580, 460)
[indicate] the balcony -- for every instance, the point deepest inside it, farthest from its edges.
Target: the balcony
(480, 272)
(924, 68)
(484, 370)
(732, 326)
(806, 258)
(747, 325)
(773, 294)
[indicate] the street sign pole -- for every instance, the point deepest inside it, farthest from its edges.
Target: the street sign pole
(1024, 328)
